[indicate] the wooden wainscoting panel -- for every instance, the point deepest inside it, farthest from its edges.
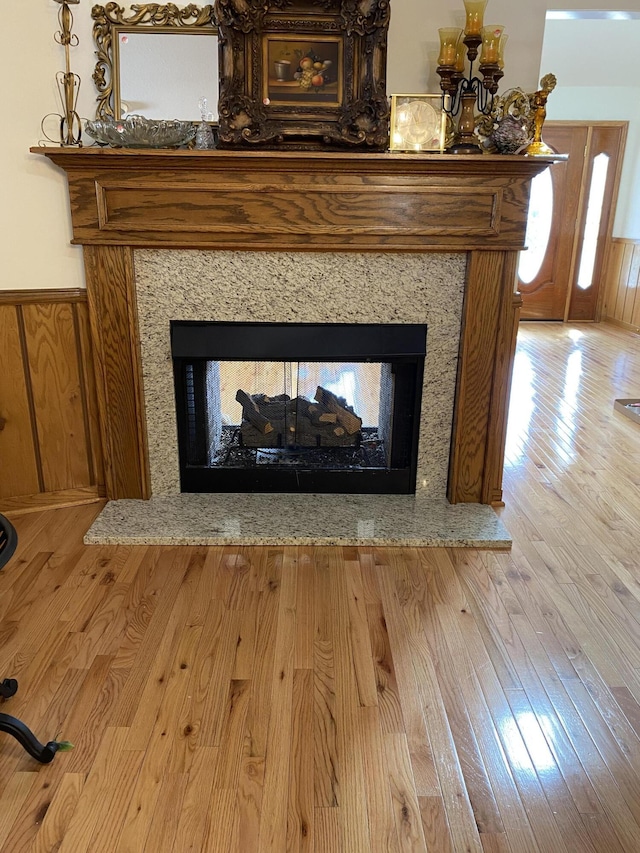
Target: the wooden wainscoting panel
(18, 459)
(50, 447)
(632, 300)
(614, 284)
(630, 282)
(624, 298)
(622, 278)
(53, 352)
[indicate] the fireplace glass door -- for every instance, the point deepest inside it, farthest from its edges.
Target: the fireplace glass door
(298, 407)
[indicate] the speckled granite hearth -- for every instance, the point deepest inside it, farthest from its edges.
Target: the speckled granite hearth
(302, 288)
(414, 520)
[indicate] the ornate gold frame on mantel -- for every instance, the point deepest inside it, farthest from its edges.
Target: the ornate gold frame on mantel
(257, 109)
(112, 19)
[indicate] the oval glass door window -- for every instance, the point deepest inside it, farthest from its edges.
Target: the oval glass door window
(538, 227)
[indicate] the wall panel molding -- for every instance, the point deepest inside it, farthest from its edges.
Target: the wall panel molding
(37, 297)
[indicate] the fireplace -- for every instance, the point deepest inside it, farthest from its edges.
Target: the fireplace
(465, 216)
(298, 407)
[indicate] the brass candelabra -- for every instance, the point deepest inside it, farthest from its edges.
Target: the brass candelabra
(459, 50)
(70, 126)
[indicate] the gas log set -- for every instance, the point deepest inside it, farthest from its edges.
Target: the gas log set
(327, 421)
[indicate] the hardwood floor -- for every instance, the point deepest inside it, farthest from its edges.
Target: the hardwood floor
(338, 700)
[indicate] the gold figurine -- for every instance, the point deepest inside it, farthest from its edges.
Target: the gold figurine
(538, 101)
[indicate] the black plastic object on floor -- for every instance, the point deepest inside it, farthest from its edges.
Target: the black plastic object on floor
(44, 753)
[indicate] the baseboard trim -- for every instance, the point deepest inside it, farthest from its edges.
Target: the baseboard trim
(51, 500)
(622, 325)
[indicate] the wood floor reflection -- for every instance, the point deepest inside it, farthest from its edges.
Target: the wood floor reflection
(339, 700)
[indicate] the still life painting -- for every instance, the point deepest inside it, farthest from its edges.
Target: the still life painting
(302, 72)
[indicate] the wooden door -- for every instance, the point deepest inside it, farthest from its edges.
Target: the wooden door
(554, 194)
(563, 254)
(602, 167)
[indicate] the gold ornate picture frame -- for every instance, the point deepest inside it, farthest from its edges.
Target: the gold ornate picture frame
(113, 23)
(303, 73)
(418, 123)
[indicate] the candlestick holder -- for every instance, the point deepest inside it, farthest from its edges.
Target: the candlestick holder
(70, 126)
(468, 92)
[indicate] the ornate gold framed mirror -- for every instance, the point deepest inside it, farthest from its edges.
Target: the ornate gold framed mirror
(149, 63)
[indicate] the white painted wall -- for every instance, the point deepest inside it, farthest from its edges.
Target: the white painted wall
(35, 223)
(33, 198)
(414, 44)
(569, 48)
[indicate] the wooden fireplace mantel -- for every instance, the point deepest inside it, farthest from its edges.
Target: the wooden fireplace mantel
(303, 201)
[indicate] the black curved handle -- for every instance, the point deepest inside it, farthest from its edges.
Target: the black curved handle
(44, 753)
(8, 540)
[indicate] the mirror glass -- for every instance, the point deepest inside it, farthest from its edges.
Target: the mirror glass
(163, 75)
(157, 61)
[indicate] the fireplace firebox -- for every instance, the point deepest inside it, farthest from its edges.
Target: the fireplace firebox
(298, 407)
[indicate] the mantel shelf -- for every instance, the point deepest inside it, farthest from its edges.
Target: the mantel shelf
(296, 200)
(316, 160)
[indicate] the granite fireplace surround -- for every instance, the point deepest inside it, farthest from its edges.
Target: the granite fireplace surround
(287, 287)
(299, 288)
(230, 236)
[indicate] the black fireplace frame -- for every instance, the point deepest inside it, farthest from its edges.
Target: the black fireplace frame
(400, 344)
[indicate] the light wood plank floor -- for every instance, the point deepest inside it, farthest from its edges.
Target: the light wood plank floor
(328, 699)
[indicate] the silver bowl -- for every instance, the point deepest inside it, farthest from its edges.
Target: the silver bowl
(139, 132)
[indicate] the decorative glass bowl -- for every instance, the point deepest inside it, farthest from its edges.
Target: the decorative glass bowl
(139, 132)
